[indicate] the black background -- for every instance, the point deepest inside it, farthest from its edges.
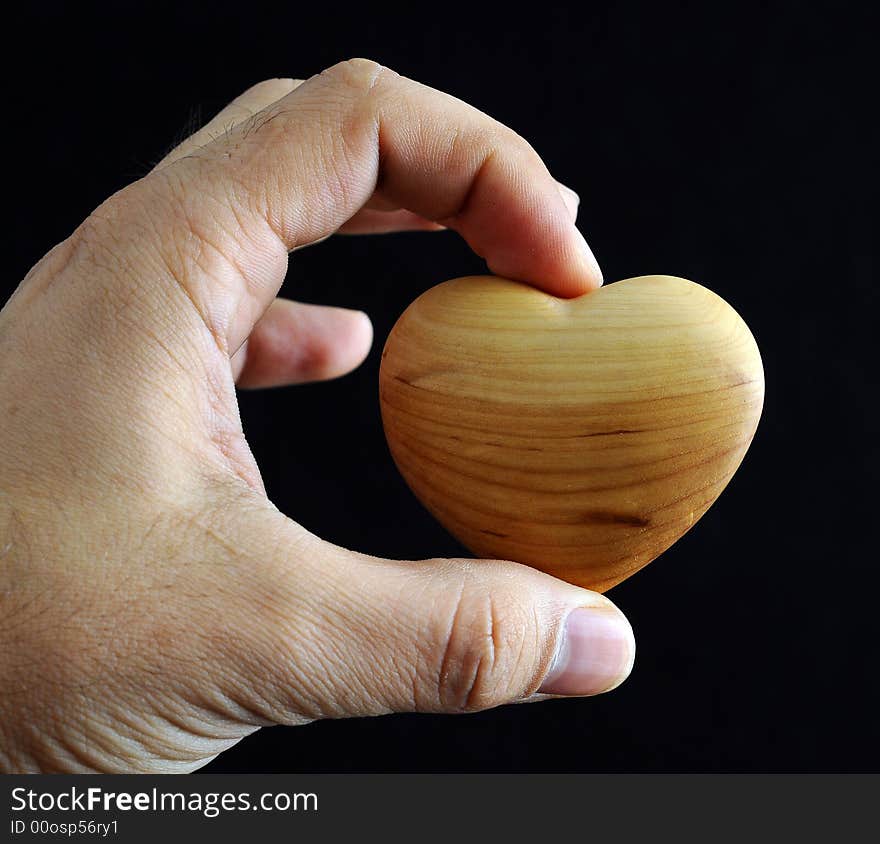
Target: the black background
(732, 145)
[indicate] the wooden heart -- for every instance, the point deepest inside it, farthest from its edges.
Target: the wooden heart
(582, 436)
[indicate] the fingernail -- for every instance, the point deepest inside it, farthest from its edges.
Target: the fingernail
(571, 200)
(589, 257)
(595, 655)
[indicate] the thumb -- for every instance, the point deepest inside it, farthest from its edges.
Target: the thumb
(378, 636)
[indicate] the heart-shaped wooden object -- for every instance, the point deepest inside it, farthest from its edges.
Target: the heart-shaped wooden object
(582, 436)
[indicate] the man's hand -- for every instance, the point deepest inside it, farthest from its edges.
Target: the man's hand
(155, 607)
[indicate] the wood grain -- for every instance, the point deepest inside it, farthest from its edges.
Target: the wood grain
(583, 436)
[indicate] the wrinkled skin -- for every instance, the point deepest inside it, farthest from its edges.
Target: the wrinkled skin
(155, 607)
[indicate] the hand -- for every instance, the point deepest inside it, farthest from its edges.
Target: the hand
(155, 607)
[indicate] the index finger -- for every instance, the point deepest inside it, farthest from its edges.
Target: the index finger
(360, 134)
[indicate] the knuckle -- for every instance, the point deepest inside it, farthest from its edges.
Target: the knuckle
(316, 361)
(489, 638)
(127, 226)
(361, 74)
(139, 229)
(110, 247)
(102, 234)
(516, 149)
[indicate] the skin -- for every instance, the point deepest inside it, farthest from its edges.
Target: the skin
(155, 607)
